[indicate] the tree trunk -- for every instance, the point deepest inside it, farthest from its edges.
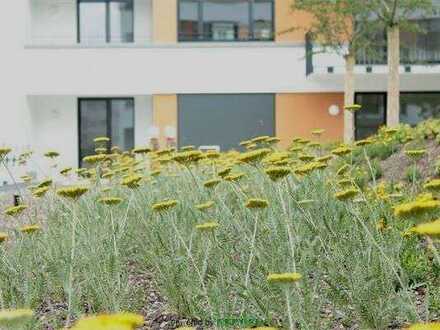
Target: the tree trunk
(349, 98)
(393, 103)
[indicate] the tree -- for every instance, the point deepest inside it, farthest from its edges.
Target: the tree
(345, 27)
(396, 15)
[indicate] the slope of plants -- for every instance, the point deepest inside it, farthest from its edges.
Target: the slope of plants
(309, 238)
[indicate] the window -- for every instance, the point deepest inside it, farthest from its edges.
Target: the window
(416, 107)
(419, 46)
(422, 46)
(231, 20)
(203, 119)
(372, 115)
(113, 118)
(105, 21)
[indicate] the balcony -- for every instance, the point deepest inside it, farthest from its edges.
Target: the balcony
(420, 60)
(69, 23)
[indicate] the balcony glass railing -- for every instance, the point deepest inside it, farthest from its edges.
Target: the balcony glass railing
(421, 47)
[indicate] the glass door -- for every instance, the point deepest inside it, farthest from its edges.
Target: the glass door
(113, 118)
(372, 115)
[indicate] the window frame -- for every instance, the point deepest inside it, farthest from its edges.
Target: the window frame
(107, 20)
(108, 101)
(201, 34)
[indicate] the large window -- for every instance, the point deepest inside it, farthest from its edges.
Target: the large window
(226, 20)
(372, 115)
(422, 46)
(113, 118)
(414, 108)
(105, 21)
(224, 120)
(419, 46)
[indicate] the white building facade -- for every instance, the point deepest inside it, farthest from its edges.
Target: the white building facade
(72, 70)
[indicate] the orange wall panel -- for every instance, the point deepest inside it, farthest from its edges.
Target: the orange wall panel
(298, 114)
(164, 115)
(165, 21)
(286, 19)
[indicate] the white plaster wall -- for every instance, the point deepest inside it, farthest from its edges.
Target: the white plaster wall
(52, 22)
(54, 122)
(183, 69)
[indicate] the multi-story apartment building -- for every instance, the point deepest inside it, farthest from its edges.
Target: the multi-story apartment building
(199, 72)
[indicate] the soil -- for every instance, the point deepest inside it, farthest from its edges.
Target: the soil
(394, 168)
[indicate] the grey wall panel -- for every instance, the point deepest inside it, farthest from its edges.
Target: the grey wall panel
(224, 119)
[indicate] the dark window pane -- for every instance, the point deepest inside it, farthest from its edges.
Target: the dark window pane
(121, 21)
(416, 107)
(106, 117)
(93, 123)
(263, 20)
(92, 16)
(226, 20)
(372, 115)
(189, 20)
(122, 119)
(224, 120)
(422, 46)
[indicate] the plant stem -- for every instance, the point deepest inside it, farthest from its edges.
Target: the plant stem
(289, 309)
(251, 256)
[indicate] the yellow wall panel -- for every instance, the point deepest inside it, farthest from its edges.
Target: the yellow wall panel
(286, 18)
(164, 115)
(297, 114)
(165, 21)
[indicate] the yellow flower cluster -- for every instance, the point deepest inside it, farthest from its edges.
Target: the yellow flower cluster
(141, 150)
(423, 204)
(284, 278)
(234, 177)
(353, 107)
(415, 153)
(204, 206)
(211, 183)
(110, 201)
(257, 203)
(45, 183)
(346, 194)
(51, 154)
(30, 229)
(3, 237)
(132, 181)
(94, 159)
(4, 151)
(164, 206)
(15, 317)
(120, 321)
(40, 192)
(278, 172)
(433, 185)
(342, 151)
(208, 226)
(254, 156)
(187, 157)
(65, 171)
(73, 192)
(13, 211)
(431, 229)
